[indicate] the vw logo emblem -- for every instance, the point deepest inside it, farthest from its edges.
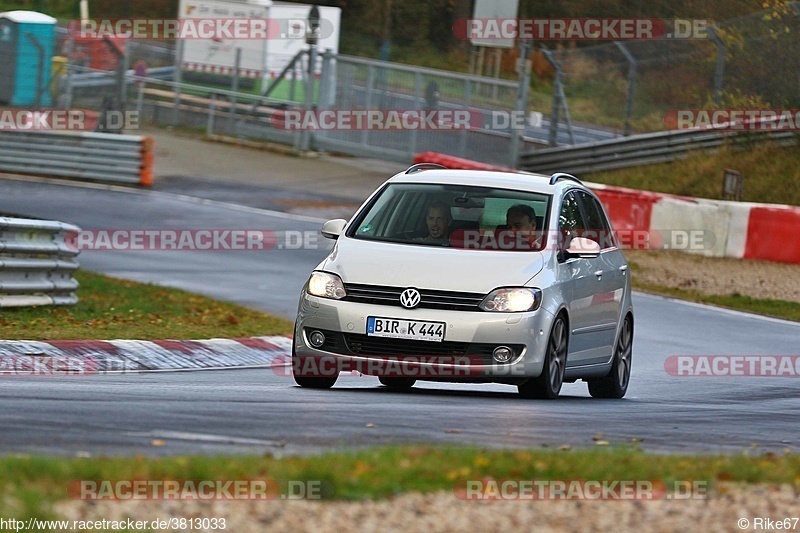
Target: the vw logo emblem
(410, 298)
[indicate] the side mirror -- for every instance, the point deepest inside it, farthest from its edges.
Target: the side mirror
(582, 248)
(333, 228)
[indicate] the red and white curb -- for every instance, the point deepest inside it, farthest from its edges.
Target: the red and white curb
(101, 357)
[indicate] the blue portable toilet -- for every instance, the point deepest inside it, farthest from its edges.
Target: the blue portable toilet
(27, 39)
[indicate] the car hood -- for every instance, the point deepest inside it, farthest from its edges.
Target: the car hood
(430, 267)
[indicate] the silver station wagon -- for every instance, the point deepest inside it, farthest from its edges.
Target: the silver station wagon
(471, 277)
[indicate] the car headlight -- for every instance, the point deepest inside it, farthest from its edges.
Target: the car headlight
(512, 300)
(326, 285)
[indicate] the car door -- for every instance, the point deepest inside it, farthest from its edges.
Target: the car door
(580, 277)
(611, 276)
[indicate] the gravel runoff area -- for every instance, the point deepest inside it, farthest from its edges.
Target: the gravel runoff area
(718, 276)
(442, 511)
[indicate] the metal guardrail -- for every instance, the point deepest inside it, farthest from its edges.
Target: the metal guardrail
(645, 149)
(37, 262)
(90, 156)
(91, 78)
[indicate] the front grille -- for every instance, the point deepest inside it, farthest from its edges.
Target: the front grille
(377, 346)
(430, 299)
(367, 346)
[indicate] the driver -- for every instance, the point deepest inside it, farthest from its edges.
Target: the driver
(438, 221)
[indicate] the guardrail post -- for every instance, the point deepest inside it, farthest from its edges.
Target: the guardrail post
(631, 85)
(146, 169)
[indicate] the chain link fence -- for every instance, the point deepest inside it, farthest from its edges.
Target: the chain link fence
(247, 104)
(360, 84)
(597, 92)
(743, 63)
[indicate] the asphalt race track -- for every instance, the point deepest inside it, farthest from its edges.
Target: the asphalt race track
(236, 411)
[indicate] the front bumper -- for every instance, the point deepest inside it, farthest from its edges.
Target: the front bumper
(463, 355)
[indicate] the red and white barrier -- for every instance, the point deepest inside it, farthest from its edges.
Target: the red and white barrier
(223, 71)
(770, 233)
(730, 229)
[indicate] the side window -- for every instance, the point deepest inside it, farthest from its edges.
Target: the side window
(597, 227)
(570, 220)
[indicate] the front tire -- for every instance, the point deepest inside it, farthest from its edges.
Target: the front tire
(397, 383)
(310, 382)
(548, 384)
(615, 384)
(315, 383)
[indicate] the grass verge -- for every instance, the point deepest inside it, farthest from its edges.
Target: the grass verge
(111, 308)
(31, 484)
(762, 306)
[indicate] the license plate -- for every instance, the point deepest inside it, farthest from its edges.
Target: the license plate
(396, 328)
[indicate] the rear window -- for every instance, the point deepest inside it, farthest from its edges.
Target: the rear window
(482, 218)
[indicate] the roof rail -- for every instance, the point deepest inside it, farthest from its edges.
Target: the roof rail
(423, 166)
(563, 176)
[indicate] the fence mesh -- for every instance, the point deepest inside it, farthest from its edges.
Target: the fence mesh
(590, 93)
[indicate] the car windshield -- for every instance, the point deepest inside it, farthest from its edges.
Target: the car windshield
(460, 216)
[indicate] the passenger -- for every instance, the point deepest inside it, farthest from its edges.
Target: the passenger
(520, 230)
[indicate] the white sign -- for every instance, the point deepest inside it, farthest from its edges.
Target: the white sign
(286, 29)
(496, 10)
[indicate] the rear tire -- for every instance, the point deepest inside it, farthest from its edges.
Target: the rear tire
(548, 384)
(397, 383)
(310, 382)
(615, 384)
